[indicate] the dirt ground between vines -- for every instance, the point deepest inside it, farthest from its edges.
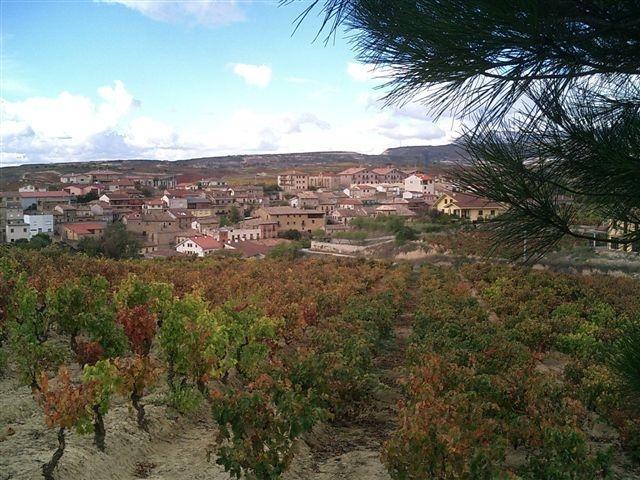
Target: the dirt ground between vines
(176, 446)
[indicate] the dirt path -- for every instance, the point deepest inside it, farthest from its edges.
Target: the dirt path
(352, 451)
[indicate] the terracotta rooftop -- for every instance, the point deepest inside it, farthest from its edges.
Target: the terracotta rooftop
(51, 194)
(206, 243)
(468, 200)
(352, 171)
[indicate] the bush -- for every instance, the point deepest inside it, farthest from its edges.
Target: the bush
(290, 234)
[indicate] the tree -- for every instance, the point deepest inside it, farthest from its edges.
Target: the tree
(116, 242)
(234, 215)
(553, 88)
(87, 197)
(37, 242)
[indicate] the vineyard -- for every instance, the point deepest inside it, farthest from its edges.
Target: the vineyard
(256, 369)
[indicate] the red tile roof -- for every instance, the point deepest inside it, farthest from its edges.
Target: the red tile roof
(51, 194)
(468, 200)
(207, 243)
(352, 171)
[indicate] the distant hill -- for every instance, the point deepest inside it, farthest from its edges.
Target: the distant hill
(424, 154)
(419, 156)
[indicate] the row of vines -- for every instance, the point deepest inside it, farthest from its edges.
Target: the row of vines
(510, 372)
(271, 348)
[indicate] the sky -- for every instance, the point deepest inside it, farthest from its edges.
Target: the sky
(118, 79)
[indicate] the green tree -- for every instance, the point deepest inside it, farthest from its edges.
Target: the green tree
(87, 197)
(234, 215)
(553, 88)
(116, 242)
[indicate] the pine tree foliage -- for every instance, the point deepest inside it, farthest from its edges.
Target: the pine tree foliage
(552, 88)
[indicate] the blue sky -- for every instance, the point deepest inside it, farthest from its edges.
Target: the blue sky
(85, 80)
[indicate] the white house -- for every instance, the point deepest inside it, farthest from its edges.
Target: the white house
(199, 246)
(39, 224)
(420, 183)
(80, 178)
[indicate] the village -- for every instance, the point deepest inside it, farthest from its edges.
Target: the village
(175, 215)
(172, 217)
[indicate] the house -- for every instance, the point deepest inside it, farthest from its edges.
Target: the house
(153, 205)
(123, 200)
(361, 191)
(43, 201)
(293, 181)
(11, 212)
(102, 210)
(305, 200)
(156, 228)
(200, 206)
(212, 182)
(184, 217)
(344, 216)
(76, 178)
(121, 184)
(389, 175)
(326, 181)
(268, 228)
(327, 202)
(199, 246)
(79, 189)
(16, 230)
(468, 206)
(617, 230)
(289, 218)
(39, 223)
(348, 203)
(31, 188)
(103, 175)
(357, 175)
(238, 234)
(420, 183)
(397, 209)
(205, 225)
(75, 232)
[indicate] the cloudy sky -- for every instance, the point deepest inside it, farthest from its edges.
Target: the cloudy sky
(85, 80)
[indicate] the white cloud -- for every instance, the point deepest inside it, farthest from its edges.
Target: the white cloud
(70, 127)
(70, 116)
(364, 72)
(258, 75)
(203, 12)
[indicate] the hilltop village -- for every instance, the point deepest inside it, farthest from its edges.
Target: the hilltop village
(171, 216)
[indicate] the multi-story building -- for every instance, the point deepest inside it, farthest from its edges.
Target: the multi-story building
(43, 201)
(10, 212)
(389, 175)
(357, 175)
(293, 181)
(326, 181)
(420, 183)
(16, 230)
(39, 223)
(289, 218)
